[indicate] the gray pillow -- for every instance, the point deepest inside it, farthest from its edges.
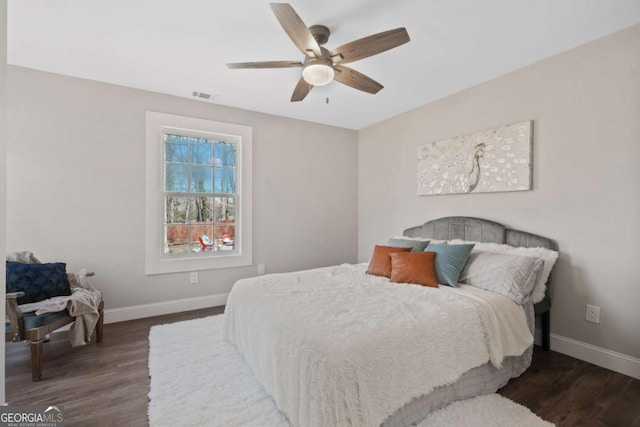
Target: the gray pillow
(415, 245)
(513, 276)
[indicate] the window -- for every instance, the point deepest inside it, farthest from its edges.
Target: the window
(198, 194)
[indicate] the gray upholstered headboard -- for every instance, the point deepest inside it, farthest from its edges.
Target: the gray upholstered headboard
(480, 230)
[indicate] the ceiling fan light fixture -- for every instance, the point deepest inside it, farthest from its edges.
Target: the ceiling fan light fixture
(318, 73)
(320, 65)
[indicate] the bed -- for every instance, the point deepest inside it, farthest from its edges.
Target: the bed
(335, 346)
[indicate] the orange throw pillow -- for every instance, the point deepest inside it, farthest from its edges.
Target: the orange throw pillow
(414, 267)
(380, 264)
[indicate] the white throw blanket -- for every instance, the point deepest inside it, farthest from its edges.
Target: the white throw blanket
(504, 321)
(82, 304)
(334, 346)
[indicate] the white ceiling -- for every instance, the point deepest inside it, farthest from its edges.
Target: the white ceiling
(176, 47)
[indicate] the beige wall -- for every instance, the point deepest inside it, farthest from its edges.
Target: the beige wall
(76, 186)
(585, 104)
(3, 167)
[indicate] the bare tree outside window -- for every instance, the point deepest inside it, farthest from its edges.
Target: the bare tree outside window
(200, 194)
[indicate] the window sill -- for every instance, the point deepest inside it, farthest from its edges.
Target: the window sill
(196, 263)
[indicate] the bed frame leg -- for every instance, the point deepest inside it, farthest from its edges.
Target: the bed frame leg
(545, 323)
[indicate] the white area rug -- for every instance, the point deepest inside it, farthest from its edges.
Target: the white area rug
(199, 380)
(487, 410)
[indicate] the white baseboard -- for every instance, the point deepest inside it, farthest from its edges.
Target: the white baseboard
(122, 314)
(618, 362)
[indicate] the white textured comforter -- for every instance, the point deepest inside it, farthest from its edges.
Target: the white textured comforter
(335, 347)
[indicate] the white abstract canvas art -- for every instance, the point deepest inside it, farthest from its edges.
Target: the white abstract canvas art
(492, 160)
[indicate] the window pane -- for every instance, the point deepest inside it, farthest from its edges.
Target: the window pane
(201, 151)
(225, 180)
(204, 232)
(177, 242)
(225, 237)
(201, 179)
(200, 210)
(225, 154)
(176, 148)
(176, 178)
(175, 210)
(224, 209)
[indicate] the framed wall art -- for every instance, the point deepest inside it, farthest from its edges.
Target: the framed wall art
(492, 160)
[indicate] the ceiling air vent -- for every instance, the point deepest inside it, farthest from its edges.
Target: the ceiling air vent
(201, 95)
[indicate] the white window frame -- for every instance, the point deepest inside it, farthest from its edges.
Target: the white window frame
(156, 261)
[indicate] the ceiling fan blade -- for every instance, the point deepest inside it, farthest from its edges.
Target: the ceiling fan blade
(296, 29)
(265, 64)
(302, 89)
(369, 46)
(350, 77)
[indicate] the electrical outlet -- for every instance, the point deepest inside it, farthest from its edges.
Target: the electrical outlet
(193, 277)
(261, 269)
(593, 313)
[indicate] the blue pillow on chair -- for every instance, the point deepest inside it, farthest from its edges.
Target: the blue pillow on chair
(37, 281)
(450, 260)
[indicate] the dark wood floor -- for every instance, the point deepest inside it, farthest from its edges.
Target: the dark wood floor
(107, 384)
(570, 392)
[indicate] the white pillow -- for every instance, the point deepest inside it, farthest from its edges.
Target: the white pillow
(513, 276)
(549, 257)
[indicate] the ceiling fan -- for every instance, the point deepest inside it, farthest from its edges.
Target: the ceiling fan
(320, 66)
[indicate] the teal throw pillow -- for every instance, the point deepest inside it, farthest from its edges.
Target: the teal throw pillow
(415, 245)
(450, 261)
